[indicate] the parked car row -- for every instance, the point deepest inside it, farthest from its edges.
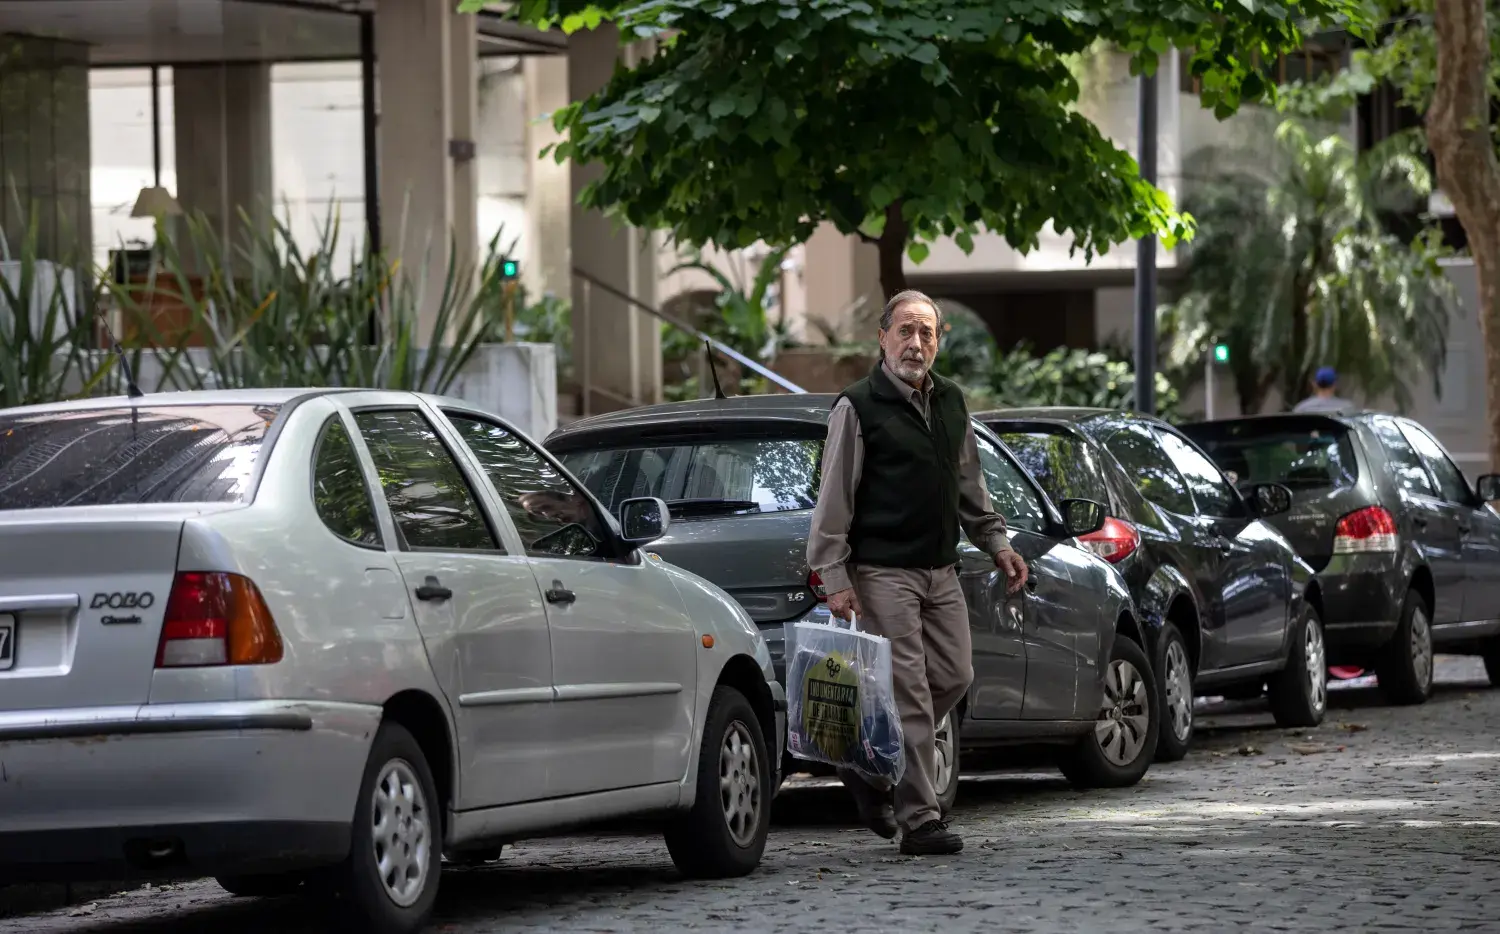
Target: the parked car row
(328, 640)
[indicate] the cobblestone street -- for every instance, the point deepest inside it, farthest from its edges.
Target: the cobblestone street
(1383, 819)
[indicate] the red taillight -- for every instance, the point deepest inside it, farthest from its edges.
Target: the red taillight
(1114, 542)
(816, 584)
(1372, 529)
(216, 619)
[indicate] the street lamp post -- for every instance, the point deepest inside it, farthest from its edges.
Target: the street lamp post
(1145, 262)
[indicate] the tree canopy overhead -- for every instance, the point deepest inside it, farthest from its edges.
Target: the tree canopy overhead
(899, 120)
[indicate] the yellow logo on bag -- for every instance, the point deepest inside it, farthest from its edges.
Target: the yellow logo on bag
(830, 705)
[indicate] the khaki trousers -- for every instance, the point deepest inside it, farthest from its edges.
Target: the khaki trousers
(922, 612)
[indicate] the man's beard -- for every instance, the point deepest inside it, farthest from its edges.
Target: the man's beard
(912, 369)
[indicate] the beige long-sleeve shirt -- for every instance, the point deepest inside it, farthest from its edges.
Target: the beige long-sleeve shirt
(828, 550)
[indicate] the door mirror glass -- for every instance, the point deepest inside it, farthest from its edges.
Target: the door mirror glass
(1488, 487)
(1082, 516)
(1270, 499)
(643, 520)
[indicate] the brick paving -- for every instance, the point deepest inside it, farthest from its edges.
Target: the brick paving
(1383, 819)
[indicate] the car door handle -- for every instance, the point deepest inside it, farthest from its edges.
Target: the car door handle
(1464, 528)
(560, 594)
(433, 591)
(1419, 520)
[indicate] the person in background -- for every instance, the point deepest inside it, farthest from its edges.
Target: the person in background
(1325, 394)
(900, 478)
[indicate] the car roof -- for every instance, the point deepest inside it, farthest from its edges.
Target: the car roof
(1063, 415)
(266, 396)
(809, 407)
(1347, 418)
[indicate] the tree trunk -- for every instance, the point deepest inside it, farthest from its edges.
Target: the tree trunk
(892, 247)
(1458, 133)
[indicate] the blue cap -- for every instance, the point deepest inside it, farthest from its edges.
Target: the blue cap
(1325, 377)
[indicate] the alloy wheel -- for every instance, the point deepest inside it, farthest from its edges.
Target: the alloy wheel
(943, 739)
(1316, 662)
(1421, 648)
(402, 832)
(739, 784)
(1122, 728)
(1179, 691)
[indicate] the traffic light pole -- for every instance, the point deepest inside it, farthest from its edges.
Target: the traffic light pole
(1208, 383)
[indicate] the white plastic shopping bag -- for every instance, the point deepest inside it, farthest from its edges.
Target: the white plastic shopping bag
(841, 707)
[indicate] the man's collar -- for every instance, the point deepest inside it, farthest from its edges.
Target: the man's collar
(902, 386)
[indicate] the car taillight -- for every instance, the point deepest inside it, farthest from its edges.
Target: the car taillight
(1372, 529)
(815, 583)
(216, 619)
(1114, 542)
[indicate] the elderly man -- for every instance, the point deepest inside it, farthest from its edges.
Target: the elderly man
(900, 476)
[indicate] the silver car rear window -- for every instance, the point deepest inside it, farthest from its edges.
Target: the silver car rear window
(122, 456)
(708, 478)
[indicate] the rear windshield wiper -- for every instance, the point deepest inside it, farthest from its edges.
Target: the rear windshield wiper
(710, 505)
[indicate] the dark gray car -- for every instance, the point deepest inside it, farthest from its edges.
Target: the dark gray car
(1407, 552)
(741, 479)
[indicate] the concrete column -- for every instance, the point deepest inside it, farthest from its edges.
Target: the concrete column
(842, 276)
(616, 347)
(44, 147)
(549, 188)
(223, 130)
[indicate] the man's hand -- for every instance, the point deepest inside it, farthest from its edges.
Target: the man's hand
(1015, 570)
(845, 604)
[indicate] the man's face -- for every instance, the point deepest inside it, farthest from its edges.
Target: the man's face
(911, 342)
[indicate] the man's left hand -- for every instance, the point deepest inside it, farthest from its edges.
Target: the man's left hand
(1015, 570)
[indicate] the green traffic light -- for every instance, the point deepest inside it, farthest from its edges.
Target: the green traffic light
(1221, 353)
(510, 269)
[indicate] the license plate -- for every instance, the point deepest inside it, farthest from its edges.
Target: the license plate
(7, 641)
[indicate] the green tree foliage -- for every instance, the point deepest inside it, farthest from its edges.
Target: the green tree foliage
(901, 121)
(1292, 269)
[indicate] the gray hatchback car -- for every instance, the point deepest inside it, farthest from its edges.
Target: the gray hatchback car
(1059, 664)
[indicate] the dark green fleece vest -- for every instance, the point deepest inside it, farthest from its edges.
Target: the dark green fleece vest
(906, 506)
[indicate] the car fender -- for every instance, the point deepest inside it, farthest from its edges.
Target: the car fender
(1165, 586)
(734, 634)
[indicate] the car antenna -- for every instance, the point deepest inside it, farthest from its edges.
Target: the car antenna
(131, 388)
(714, 369)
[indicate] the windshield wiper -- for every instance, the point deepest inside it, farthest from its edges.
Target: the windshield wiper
(710, 504)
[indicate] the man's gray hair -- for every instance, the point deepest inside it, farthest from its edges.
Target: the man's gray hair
(910, 297)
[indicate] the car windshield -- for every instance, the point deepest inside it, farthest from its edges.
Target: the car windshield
(1301, 453)
(1061, 462)
(125, 455)
(707, 478)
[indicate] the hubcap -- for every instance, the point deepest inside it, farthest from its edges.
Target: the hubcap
(402, 832)
(739, 784)
(1317, 666)
(944, 742)
(1121, 731)
(1179, 691)
(1421, 647)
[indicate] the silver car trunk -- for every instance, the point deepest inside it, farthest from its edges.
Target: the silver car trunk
(82, 595)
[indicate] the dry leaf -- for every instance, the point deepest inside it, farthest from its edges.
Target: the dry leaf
(1250, 751)
(1355, 727)
(1306, 749)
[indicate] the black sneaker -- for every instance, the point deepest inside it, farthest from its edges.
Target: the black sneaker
(875, 810)
(931, 839)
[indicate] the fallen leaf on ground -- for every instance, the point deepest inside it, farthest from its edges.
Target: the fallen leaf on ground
(1250, 751)
(1305, 749)
(82, 910)
(1355, 727)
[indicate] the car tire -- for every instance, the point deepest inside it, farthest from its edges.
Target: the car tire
(1492, 661)
(1117, 752)
(397, 789)
(1174, 679)
(1405, 667)
(724, 835)
(1298, 693)
(947, 736)
(262, 885)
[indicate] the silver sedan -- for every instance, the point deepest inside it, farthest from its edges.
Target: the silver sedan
(323, 638)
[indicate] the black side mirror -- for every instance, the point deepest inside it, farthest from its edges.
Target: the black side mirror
(1270, 499)
(1488, 487)
(643, 520)
(1081, 516)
